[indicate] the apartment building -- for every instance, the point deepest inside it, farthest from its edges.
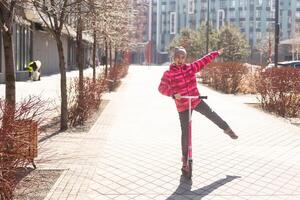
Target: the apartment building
(255, 18)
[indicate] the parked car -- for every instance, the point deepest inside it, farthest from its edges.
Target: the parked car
(293, 63)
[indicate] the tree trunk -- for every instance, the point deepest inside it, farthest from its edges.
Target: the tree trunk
(94, 56)
(115, 58)
(10, 74)
(79, 59)
(63, 86)
(7, 13)
(106, 56)
(110, 55)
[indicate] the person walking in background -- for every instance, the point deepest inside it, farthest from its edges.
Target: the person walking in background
(29, 69)
(180, 80)
(34, 70)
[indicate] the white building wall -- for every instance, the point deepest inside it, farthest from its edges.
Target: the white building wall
(45, 50)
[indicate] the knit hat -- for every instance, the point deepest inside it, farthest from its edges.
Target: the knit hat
(179, 50)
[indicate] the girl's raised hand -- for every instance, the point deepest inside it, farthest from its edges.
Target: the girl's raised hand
(221, 51)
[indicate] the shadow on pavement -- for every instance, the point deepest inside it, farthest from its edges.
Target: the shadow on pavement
(184, 189)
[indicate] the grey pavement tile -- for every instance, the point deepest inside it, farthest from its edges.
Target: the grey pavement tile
(133, 151)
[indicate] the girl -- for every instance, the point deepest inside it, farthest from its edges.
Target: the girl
(180, 80)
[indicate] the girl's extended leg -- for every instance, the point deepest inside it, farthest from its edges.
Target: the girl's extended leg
(184, 122)
(205, 110)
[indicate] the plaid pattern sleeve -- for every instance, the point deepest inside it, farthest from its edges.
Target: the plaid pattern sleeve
(165, 85)
(202, 62)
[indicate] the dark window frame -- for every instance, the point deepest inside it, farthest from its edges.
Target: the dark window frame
(1, 51)
(22, 46)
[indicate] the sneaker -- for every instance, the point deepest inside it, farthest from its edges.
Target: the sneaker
(231, 134)
(184, 164)
(185, 170)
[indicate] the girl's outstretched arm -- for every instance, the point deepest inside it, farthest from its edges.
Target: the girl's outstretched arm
(202, 62)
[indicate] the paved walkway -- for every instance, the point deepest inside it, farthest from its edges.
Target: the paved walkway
(133, 150)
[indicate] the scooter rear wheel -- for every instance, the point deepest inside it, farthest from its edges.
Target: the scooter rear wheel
(187, 171)
(189, 175)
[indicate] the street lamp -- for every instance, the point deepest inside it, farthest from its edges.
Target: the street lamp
(207, 28)
(149, 56)
(276, 32)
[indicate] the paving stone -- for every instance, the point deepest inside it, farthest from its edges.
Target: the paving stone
(133, 150)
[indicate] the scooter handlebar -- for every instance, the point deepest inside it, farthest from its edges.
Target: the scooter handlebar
(194, 97)
(203, 97)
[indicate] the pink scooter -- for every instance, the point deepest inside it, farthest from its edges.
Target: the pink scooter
(189, 160)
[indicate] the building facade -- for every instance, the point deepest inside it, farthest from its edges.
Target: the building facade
(32, 42)
(255, 18)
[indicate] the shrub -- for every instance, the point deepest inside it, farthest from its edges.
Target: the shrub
(279, 89)
(115, 74)
(15, 142)
(91, 99)
(224, 77)
(247, 84)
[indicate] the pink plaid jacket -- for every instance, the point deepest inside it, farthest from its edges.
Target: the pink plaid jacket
(182, 80)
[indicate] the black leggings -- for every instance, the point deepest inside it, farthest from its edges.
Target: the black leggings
(205, 110)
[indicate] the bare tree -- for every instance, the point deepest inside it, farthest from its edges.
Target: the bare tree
(111, 21)
(7, 16)
(79, 53)
(91, 17)
(296, 46)
(54, 14)
(82, 10)
(265, 46)
(295, 39)
(122, 23)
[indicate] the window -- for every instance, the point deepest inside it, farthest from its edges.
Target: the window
(251, 35)
(203, 15)
(272, 5)
(22, 46)
(223, 3)
(259, 2)
(297, 27)
(297, 14)
(258, 25)
(258, 35)
(242, 3)
(71, 54)
(232, 3)
(173, 23)
(251, 24)
(0, 51)
(221, 17)
(163, 8)
(298, 4)
(203, 5)
(258, 13)
(212, 5)
(272, 15)
(191, 6)
(232, 14)
(172, 5)
(270, 26)
(242, 24)
(17, 46)
(242, 13)
(163, 22)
